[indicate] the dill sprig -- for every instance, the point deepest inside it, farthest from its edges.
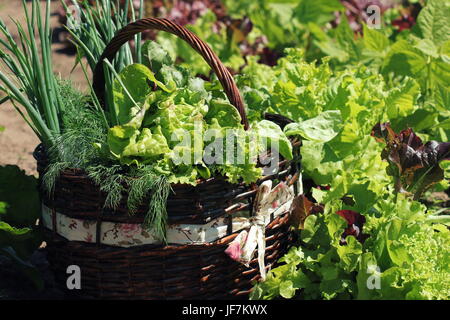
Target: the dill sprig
(144, 185)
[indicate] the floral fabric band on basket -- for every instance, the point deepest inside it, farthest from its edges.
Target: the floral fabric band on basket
(274, 202)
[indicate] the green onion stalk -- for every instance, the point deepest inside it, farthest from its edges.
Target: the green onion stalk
(26, 75)
(94, 28)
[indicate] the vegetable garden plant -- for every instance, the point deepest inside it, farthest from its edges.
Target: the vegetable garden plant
(371, 107)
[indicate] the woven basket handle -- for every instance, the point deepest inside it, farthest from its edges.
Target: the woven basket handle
(127, 33)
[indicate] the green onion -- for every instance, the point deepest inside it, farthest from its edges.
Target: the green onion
(99, 24)
(29, 80)
(26, 75)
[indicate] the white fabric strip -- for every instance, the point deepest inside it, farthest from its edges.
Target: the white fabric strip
(243, 247)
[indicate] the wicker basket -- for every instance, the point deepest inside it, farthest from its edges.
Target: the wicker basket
(183, 270)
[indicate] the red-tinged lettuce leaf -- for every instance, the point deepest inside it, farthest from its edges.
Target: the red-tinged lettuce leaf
(301, 208)
(355, 223)
(413, 164)
(404, 22)
(352, 217)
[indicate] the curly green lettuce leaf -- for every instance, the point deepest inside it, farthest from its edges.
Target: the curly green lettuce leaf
(148, 144)
(401, 100)
(130, 89)
(154, 56)
(271, 135)
(225, 113)
(173, 77)
(184, 174)
(246, 173)
(128, 143)
(285, 280)
(322, 128)
(173, 115)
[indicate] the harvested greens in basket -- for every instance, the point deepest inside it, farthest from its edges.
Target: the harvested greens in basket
(186, 129)
(159, 125)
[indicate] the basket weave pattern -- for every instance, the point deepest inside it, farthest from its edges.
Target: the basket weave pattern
(193, 271)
